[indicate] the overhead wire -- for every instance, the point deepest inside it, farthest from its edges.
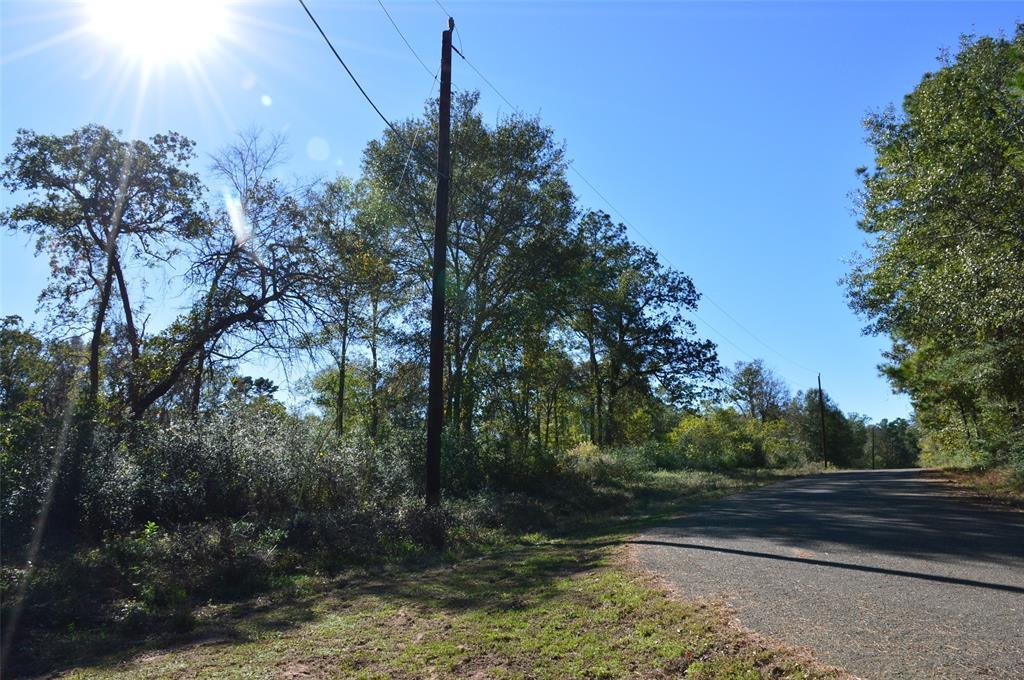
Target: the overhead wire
(704, 295)
(485, 79)
(433, 82)
(394, 128)
(412, 148)
(402, 36)
(651, 245)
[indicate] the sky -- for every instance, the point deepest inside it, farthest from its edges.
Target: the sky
(727, 134)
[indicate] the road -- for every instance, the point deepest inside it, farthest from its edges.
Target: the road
(888, 574)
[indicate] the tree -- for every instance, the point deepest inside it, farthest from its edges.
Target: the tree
(757, 391)
(630, 314)
(895, 443)
(257, 276)
(845, 436)
(96, 201)
(334, 210)
(510, 207)
(944, 207)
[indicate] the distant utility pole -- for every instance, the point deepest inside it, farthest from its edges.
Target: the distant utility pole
(435, 391)
(821, 410)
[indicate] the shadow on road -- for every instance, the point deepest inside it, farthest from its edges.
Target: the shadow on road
(837, 565)
(909, 513)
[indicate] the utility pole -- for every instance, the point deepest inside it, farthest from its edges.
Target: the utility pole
(435, 391)
(821, 410)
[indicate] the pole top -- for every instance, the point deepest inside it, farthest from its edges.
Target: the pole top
(451, 24)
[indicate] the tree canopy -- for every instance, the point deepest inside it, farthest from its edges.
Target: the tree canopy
(944, 211)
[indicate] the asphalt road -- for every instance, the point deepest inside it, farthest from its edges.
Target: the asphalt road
(888, 574)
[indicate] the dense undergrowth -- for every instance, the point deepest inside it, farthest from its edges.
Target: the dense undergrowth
(174, 517)
(169, 587)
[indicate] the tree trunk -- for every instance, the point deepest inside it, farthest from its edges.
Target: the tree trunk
(197, 384)
(558, 426)
(374, 376)
(598, 404)
(130, 330)
(339, 416)
(469, 403)
(97, 339)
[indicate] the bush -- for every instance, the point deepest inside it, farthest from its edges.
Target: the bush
(607, 467)
(724, 439)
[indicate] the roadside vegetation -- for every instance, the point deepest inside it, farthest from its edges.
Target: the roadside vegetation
(943, 208)
(552, 597)
(1001, 485)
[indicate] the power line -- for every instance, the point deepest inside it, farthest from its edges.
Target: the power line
(704, 295)
(433, 82)
(415, 137)
(355, 80)
(347, 69)
(402, 36)
(484, 78)
(651, 245)
(590, 184)
(794, 362)
(412, 150)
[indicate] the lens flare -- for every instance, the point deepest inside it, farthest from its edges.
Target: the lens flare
(236, 214)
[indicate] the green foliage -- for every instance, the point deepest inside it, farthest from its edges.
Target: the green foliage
(944, 206)
(173, 478)
(896, 444)
(757, 391)
(845, 435)
(723, 438)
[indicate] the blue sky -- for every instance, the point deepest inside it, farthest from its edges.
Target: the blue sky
(727, 133)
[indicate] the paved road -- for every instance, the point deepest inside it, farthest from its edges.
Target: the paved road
(889, 574)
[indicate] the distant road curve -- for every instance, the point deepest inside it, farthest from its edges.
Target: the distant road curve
(888, 574)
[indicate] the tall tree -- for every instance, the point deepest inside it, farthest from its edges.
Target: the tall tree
(757, 391)
(633, 311)
(96, 202)
(944, 208)
(510, 207)
(257, 277)
(334, 210)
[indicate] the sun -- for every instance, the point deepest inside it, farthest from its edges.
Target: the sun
(159, 31)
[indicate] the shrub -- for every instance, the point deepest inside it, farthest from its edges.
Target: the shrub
(725, 439)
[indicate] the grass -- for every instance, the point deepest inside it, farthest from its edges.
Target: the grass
(1001, 485)
(561, 604)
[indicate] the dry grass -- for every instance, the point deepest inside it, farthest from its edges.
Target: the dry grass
(999, 485)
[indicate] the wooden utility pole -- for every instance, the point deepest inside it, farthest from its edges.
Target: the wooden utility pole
(435, 392)
(821, 410)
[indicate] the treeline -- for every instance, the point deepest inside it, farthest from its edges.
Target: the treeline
(570, 358)
(944, 272)
(759, 422)
(560, 328)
